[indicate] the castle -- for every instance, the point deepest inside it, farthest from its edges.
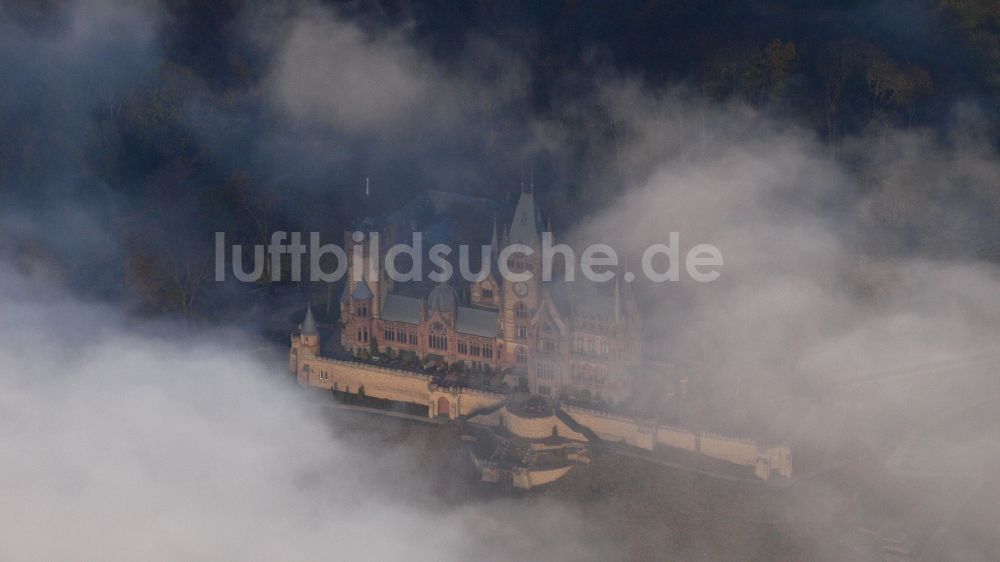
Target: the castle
(532, 367)
(558, 338)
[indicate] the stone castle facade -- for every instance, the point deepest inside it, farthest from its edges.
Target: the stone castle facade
(558, 338)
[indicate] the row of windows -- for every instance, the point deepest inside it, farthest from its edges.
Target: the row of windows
(437, 342)
(475, 349)
(362, 309)
(518, 266)
(363, 334)
(581, 372)
(598, 379)
(522, 355)
(545, 371)
(593, 345)
(618, 385)
(400, 335)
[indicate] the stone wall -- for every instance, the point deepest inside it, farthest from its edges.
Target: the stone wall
(646, 435)
(537, 428)
(531, 478)
(406, 386)
(677, 438)
(611, 427)
(378, 382)
(736, 451)
(470, 400)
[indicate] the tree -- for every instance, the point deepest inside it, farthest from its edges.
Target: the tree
(764, 77)
(839, 61)
(893, 86)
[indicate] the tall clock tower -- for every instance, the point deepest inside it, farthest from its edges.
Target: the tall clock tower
(520, 299)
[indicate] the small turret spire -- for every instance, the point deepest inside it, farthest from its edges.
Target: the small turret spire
(616, 309)
(309, 324)
(493, 238)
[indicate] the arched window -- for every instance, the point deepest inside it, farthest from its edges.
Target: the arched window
(438, 338)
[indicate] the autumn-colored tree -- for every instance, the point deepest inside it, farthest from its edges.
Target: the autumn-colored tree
(891, 85)
(839, 61)
(765, 76)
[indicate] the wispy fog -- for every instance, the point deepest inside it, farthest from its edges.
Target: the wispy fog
(857, 316)
(126, 441)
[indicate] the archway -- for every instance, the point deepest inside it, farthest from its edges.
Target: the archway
(444, 407)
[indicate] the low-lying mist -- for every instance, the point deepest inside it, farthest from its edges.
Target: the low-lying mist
(857, 315)
(128, 441)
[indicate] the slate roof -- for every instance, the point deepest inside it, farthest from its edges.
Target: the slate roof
(309, 324)
(524, 226)
(584, 296)
(476, 321)
(361, 291)
(398, 308)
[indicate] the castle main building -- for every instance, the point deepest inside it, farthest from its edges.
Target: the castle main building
(557, 338)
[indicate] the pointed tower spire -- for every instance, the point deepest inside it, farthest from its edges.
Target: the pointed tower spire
(493, 238)
(309, 324)
(525, 224)
(616, 309)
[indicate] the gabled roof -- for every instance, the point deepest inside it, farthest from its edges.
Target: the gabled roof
(398, 308)
(550, 310)
(361, 291)
(476, 321)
